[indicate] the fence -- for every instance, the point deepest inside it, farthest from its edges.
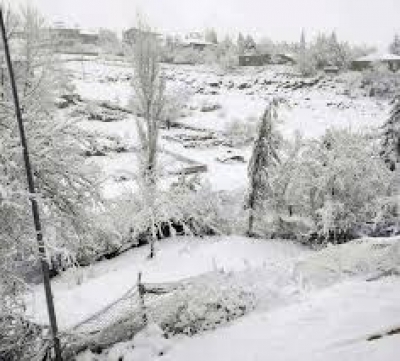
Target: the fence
(129, 314)
(218, 296)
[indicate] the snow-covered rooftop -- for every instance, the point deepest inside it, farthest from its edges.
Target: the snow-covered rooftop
(197, 42)
(89, 32)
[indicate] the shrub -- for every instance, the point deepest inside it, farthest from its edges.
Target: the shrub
(380, 82)
(188, 56)
(188, 207)
(364, 258)
(206, 305)
(336, 182)
(241, 133)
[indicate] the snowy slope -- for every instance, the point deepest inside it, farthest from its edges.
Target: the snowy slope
(176, 259)
(293, 324)
(312, 109)
(330, 325)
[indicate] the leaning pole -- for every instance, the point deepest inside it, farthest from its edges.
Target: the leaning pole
(32, 195)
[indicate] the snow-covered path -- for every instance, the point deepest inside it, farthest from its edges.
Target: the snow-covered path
(330, 325)
(80, 293)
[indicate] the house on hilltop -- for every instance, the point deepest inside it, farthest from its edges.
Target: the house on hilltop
(196, 41)
(392, 61)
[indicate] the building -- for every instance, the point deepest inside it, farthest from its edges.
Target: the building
(131, 35)
(254, 59)
(392, 61)
(89, 37)
(69, 36)
(64, 35)
(284, 58)
(331, 69)
(197, 44)
(195, 41)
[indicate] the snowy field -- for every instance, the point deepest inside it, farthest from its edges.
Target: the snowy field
(240, 97)
(290, 322)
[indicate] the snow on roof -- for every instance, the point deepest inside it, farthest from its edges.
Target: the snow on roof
(287, 55)
(64, 25)
(379, 57)
(89, 32)
(196, 42)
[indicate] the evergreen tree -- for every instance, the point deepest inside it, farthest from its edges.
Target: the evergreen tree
(394, 47)
(264, 158)
(303, 43)
(391, 136)
(211, 36)
(305, 61)
(250, 43)
(337, 50)
(227, 43)
(241, 43)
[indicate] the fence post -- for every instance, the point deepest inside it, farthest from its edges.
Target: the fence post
(142, 291)
(32, 197)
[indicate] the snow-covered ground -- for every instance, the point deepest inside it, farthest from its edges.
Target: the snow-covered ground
(176, 259)
(330, 320)
(241, 96)
(290, 322)
(329, 325)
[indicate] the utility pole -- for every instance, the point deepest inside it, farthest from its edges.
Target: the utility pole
(32, 195)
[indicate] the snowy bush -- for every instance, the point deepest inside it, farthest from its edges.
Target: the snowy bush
(176, 100)
(67, 188)
(188, 56)
(19, 339)
(380, 82)
(100, 112)
(241, 133)
(364, 258)
(337, 180)
(187, 208)
(205, 305)
(228, 61)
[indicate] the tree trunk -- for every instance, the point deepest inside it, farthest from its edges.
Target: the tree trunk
(250, 229)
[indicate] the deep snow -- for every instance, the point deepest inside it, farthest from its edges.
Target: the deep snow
(291, 322)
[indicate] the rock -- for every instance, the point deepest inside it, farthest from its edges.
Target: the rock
(67, 100)
(210, 107)
(244, 85)
(214, 84)
(231, 159)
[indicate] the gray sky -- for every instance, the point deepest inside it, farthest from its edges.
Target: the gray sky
(364, 21)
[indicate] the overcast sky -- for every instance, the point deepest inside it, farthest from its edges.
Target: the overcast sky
(366, 21)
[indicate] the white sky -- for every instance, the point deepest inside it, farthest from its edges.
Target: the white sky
(363, 21)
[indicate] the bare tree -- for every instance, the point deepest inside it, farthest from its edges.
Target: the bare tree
(149, 102)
